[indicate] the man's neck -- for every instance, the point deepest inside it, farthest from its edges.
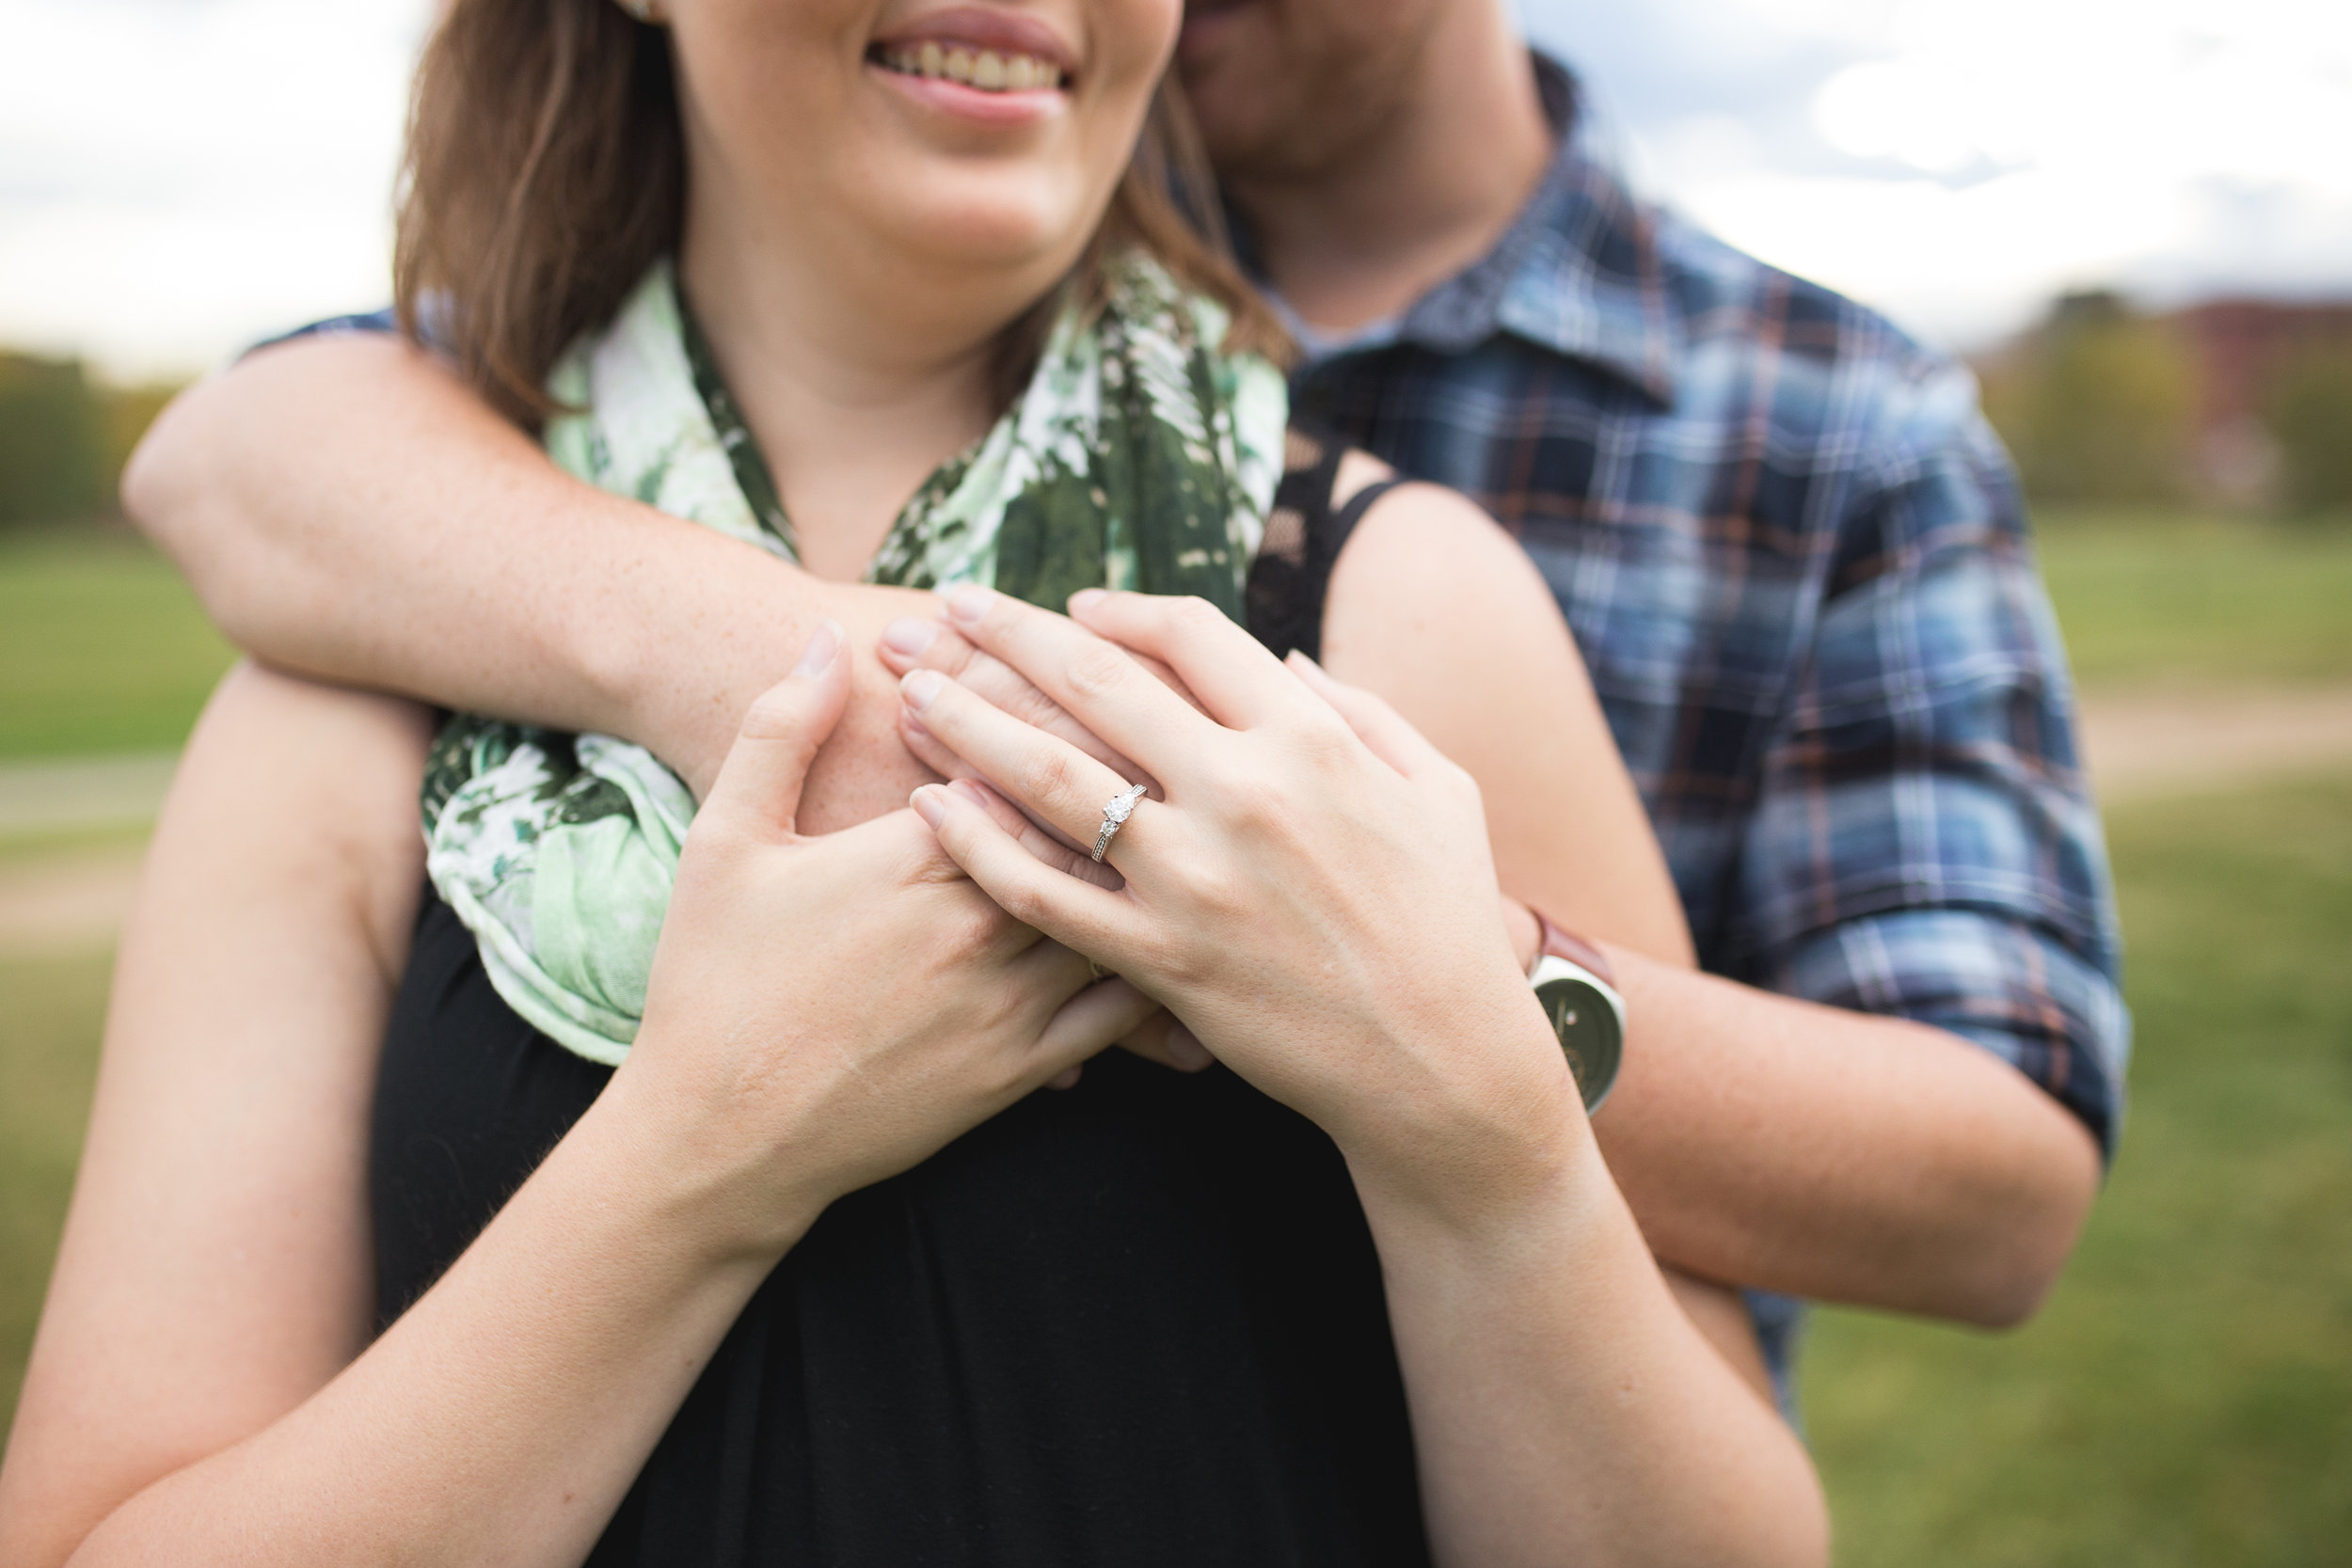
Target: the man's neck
(1359, 241)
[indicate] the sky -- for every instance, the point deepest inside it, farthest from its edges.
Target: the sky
(179, 176)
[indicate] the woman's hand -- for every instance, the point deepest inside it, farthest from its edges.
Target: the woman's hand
(1312, 894)
(825, 1012)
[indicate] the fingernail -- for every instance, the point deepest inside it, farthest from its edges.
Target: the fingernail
(928, 804)
(1085, 599)
(921, 687)
(910, 637)
(969, 604)
(972, 791)
(824, 646)
(1184, 1049)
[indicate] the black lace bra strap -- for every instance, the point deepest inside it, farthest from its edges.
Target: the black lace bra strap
(1304, 536)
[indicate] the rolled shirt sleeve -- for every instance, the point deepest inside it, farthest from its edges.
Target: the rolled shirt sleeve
(1924, 844)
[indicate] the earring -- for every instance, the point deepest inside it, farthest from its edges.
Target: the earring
(646, 11)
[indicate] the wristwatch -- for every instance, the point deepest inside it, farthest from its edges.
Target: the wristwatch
(1574, 982)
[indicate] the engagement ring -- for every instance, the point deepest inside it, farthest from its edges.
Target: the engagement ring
(1123, 806)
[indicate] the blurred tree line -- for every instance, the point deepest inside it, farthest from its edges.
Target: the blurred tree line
(64, 437)
(2311, 413)
(2103, 404)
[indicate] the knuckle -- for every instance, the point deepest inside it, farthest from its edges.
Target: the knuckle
(1254, 797)
(972, 930)
(1051, 775)
(952, 656)
(1096, 668)
(989, 676)
(775, 716)
(919, 856)
(1023, 903)
(1324, 742)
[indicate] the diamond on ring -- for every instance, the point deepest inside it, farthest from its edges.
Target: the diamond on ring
(1121, 807)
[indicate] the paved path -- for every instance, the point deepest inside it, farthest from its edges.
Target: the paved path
(52, 906)
(83, 793)
(2172, 742)
(2139, 745)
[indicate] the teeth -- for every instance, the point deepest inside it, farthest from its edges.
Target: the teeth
(986, 69)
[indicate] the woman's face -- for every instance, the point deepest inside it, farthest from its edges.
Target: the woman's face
(979, 136)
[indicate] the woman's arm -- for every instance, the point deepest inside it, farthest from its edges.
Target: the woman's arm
(215, 1266)
(1760, 1140)
(201, 1391)
(1319, 906)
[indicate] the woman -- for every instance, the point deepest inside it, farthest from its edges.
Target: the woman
(824, 1012)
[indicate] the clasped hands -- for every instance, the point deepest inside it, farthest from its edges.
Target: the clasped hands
(1309, 889)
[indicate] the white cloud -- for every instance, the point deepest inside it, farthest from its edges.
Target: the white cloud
(178, 177)
(1956, 161)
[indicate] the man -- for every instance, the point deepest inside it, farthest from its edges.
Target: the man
(1791, 553)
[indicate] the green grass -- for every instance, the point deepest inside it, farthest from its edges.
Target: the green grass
(2187, 1396)
(50, 1013)
(102, 646)
(2185, 1400)
(2155, 598)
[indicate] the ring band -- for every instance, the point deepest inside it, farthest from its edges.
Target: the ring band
(1115, 814)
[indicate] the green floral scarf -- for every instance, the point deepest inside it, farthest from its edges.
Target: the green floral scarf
(1139, 456)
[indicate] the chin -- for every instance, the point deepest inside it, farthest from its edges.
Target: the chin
(998, 224)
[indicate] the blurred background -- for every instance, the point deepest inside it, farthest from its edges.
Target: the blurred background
(2133, 217)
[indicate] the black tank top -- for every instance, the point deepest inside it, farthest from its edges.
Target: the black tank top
(1134, 1324)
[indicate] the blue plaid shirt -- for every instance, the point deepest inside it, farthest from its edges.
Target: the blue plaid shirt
(1796, 560)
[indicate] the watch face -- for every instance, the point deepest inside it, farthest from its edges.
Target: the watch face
(1586, 1025)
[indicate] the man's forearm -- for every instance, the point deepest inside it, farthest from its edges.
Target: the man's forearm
(344, 507)
(1765, 1141)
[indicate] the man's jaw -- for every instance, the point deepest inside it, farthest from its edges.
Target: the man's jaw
(1207, 22)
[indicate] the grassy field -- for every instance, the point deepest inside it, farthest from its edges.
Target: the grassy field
(2154, 599)
(102, 646)
(2186, 1398)
(50, 1014)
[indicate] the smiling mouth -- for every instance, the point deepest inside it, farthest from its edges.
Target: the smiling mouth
(985, 69)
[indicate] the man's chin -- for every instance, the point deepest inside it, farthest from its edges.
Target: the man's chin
(1230, 58)
(1208, 28)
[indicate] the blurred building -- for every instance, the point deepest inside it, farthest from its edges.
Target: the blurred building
(2245, 352)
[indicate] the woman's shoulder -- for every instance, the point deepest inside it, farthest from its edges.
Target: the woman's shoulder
(1427, 566)
(1355, 549)
(293, 790)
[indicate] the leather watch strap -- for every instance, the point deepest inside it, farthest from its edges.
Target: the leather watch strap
(1568, 945)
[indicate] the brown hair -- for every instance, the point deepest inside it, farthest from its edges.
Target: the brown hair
(545, 172)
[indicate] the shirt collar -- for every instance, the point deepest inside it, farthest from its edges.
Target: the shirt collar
(1577, 272)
